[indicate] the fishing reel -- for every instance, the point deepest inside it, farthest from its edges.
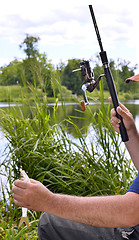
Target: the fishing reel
(89, 84)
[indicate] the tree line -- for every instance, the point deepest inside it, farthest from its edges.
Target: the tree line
(37, 69)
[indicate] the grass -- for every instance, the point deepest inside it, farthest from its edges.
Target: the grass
(9, 225)
(14, 93)
(43, 149)
(11, 93)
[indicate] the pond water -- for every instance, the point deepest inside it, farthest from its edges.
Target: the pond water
(70, 109)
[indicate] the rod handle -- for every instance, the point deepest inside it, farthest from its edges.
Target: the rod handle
(122, 128)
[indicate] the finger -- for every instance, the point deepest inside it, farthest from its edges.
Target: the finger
(21, 204)
(21, 183)
(124, 114)
(33, 181)
(115, 121)
(110, 99)
(17, 197)
(15, 189)
(113, 112)
(115, 126)
(123, 107)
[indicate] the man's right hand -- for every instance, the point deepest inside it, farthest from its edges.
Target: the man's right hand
(127, 119)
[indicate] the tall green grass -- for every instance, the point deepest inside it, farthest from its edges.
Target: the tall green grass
(44, 150)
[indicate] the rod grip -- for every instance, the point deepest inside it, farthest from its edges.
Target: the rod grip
(122, 128)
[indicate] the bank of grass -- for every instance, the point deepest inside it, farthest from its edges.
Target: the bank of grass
(45, 151)
(15, 93)
(122, 96)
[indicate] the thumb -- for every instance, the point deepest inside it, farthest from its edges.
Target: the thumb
(33, 181)
(124, 114)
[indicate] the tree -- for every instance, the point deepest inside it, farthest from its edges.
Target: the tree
(125, 72)
(72, 80)
(37, 69)
(29, 46)
(119, 72)
(98, 70)
(45, 74)
(11, 74)
(60, 69)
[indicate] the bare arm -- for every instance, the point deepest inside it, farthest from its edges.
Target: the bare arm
(133, 143)
(107, 211)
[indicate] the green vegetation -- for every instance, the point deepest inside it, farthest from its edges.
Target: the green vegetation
(121, 72)
(8, 224)
(15, 93)
(42, 147)
(36, 68)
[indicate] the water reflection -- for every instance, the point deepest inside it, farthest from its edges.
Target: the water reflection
(3, 178)
(83, 119)
(73, 110)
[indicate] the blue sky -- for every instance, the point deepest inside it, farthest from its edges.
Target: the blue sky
(66, 29)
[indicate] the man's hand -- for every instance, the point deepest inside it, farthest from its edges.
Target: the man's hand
(32, 195)
(133, 143)
(127, 118)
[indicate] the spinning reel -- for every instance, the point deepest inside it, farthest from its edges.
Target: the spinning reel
(89, 83)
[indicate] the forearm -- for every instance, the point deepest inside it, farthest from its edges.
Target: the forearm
(110, 211)
(133, 147)
(107, 211)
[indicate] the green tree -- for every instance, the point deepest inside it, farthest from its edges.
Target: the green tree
(72, 80)
(119, 72)
(98, 70)
(125, 72)
(37, 69)
(115, 74)
(11, 74)
(45, 75)
(60, 69)
(29, 46)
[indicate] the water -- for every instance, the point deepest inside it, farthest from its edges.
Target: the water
(3, 178)
(71, 109)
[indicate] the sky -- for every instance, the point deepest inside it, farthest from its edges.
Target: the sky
(66, 29)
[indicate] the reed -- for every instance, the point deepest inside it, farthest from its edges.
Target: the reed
(41, 147)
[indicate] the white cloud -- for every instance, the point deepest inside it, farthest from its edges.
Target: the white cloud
(41, 15)
(69, 23)
(5, 61)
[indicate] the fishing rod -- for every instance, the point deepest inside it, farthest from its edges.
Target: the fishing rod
(109, 77)
(90, 84)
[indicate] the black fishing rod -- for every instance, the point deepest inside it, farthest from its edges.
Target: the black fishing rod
(109, 77)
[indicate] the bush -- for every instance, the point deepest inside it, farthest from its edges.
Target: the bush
(128, 96)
